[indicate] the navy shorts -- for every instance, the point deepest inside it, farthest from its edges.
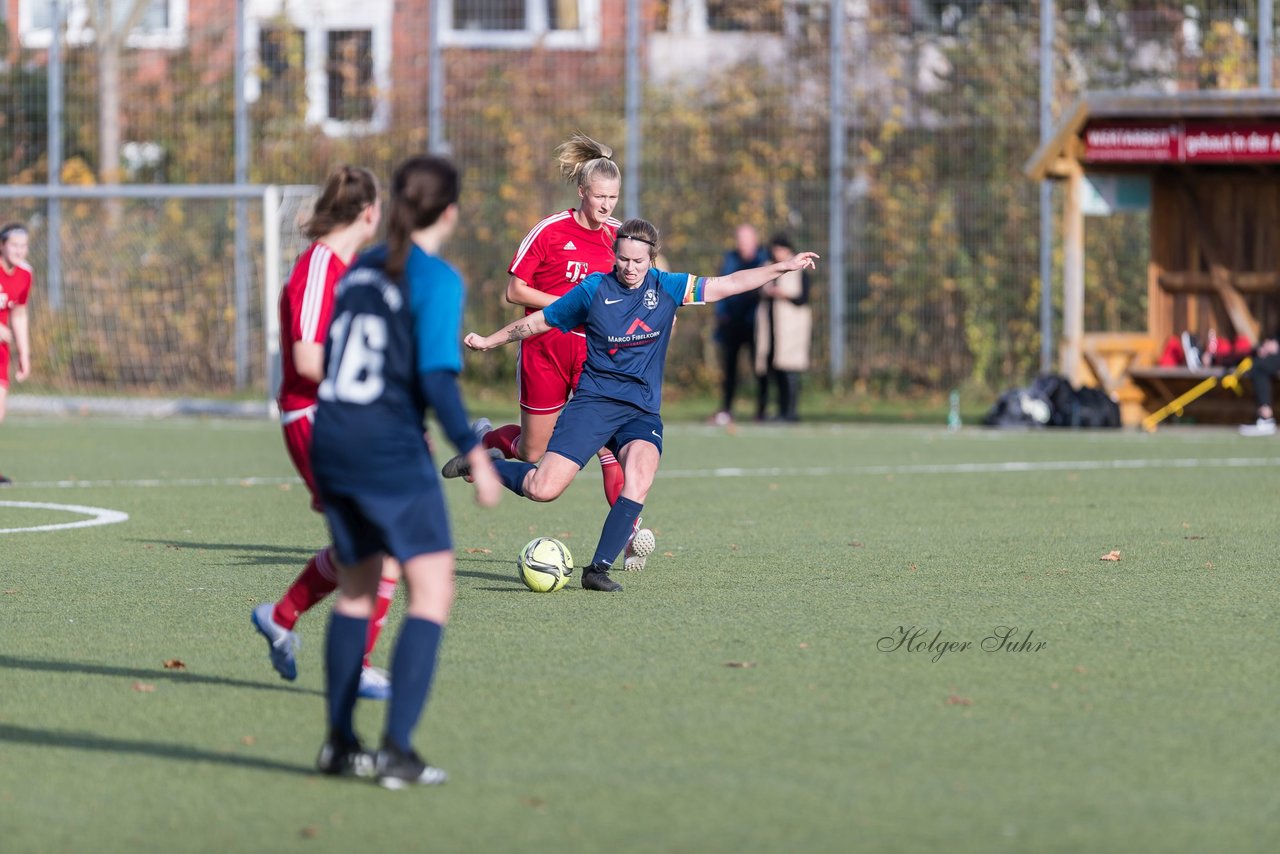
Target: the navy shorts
(403, 526)
(587, 424)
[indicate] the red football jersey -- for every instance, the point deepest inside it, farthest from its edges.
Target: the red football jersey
(558, 253)
(15, 287)
(306, 307)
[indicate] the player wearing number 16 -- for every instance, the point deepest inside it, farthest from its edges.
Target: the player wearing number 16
(393, 353)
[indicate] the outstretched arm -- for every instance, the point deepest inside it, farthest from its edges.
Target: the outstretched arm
(748, 280)
(525, 327)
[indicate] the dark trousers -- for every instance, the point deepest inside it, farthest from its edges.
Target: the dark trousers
(1264, 368)
(787, 384)
(732, 340)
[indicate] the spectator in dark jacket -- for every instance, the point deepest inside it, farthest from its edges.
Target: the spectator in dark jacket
(736, 320)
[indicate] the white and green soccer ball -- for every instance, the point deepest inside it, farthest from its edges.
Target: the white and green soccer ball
(545, 565)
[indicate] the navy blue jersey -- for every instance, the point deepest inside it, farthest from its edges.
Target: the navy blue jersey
(628, 331)
(383, 339)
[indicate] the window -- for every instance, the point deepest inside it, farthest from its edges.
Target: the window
(339, 51)
(350, 69)
(282, 65)
(731, 16)
(161, 24)
(572, 24)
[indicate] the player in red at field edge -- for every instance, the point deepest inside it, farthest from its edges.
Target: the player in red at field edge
(558, 253)
(15, 288)
(345, 218)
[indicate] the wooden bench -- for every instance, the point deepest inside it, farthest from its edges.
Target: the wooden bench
(1161, 386)
(1110, 358)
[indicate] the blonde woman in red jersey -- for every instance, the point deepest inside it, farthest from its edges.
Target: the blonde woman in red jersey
(557, 254)
(346, 217)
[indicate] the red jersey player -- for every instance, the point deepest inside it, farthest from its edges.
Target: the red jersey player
(560, 251)
(15, 287)
(345, 218)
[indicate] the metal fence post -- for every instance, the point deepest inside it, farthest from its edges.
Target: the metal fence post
(631, 193)
(836, 198)
(1265, 34)
(53, 91)
(1046, 188)
(241, 207)
(435, 84)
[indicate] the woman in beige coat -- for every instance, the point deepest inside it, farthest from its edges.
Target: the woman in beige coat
(784, 325)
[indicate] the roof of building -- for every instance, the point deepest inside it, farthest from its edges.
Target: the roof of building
(1051, 158)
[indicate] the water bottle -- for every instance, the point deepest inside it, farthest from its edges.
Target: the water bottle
(953, 416)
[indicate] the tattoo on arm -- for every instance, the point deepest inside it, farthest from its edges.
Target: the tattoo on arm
(518, 332)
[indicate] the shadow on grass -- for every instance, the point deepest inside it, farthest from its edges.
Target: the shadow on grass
(487, 576)
(89, 741)
(252, 555)
(9, 662)
(470, 559)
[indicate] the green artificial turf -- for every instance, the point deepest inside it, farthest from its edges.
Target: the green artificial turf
(746, 692)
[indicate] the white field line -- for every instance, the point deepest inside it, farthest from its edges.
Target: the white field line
(98, 516)
(153, 482)
(1005, 467)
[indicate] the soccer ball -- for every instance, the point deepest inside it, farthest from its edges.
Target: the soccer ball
(545, 565)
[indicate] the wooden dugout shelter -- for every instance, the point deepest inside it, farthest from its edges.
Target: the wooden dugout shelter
(1207, 165)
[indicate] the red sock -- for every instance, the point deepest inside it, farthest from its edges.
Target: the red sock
(611, 471)
(386, 591)
(505, 438)
(317, 581)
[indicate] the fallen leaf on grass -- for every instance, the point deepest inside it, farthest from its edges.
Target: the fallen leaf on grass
(1195, 537)
(668, 554)
(1113, 555)
(479, 551)
(734, 547)
(957, 700)
(856, 544)
(804, 646)
(175, 664)
(144, 687)
(533, 802)
(740, 664)
(248, 741)
(309, 832)
(912, 568)
(11, 593)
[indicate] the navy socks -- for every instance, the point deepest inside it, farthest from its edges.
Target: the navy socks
(617, 530)
(343, 661)
(413, 665)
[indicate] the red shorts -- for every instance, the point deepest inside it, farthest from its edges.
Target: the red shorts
(297, 440)
(4, 365)
(549, 370)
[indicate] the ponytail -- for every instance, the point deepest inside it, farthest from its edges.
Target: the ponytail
(421, 189)
(584, 160)
(346, 194)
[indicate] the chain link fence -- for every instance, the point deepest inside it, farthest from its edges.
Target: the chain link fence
(940, 283)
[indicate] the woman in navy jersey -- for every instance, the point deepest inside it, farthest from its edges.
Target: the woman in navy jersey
(627, 315)
(557, 253)
(392, 354)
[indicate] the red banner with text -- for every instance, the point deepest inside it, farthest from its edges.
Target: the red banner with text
(1183, 142)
